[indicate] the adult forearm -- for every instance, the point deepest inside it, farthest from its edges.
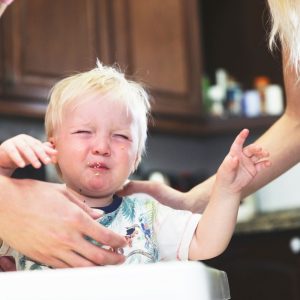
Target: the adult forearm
(282, 141)
(198, 197)
(7, 191)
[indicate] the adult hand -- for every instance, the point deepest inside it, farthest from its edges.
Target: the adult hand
(7, 264)
(160, 191)
(36, 220)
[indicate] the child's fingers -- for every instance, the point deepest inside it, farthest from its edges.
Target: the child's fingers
(14, 155)
(30, 149)
(234, 162)
(35, 151)
(29, 153)
(228, 169)
(251, 150)
(42, 154)
(23, 150)
(255, 152)
(262, 165)
(259, 156)
(240, 140)
(230, 163)
(50, 151)
(49, 146)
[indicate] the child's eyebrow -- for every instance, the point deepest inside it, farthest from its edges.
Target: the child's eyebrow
(81, 122)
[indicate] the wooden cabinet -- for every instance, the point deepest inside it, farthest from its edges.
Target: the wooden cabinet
(262, 266)
(154, 41)
(45, 40)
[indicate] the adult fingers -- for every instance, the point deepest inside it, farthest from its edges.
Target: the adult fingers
(101, 234)
(90, 255)
(7, 263)
(66, 259)
(73, 259)
(93, 213)
(139, 186)
(52, 261)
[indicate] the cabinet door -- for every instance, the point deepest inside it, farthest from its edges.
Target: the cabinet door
(261, 266)
(263, 279)
(45, 40)
(158, 42)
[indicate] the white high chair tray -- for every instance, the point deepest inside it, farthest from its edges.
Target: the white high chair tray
(165, 280)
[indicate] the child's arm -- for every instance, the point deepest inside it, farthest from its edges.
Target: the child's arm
(22, 150)
(217, 224)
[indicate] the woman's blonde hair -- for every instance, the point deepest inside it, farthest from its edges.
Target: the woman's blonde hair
(285, 15)
(102, 80)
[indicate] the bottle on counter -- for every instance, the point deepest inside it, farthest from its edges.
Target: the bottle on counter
(274, 103)
(216, 95)
(260, 84)
(234, 96)
(251, 104)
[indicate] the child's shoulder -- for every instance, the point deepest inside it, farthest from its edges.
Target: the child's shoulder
(140, 198)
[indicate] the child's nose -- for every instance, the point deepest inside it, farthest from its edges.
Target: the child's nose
(101, 147)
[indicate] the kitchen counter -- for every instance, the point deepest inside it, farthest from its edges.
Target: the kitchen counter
(271, 221)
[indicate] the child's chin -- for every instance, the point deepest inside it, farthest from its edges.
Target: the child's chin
(98, 189)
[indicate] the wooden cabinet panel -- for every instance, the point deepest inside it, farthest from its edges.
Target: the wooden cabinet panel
(261, 266)
(158, 41)
(154, 31)
(45, 40)
(59, 43)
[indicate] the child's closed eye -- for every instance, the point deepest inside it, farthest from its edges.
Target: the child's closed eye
(82, 132)
(122, 136)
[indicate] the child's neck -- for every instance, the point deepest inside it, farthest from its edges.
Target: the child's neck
(91, 201)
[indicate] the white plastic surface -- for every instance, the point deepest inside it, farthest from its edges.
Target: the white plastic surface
(282, 193)
(170, 280)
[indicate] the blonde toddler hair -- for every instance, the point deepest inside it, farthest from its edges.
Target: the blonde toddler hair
(285, 18)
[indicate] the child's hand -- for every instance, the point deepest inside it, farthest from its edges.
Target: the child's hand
(241, 165)
(23, 150)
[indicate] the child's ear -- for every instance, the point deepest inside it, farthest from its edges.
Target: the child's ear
(51, 140)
